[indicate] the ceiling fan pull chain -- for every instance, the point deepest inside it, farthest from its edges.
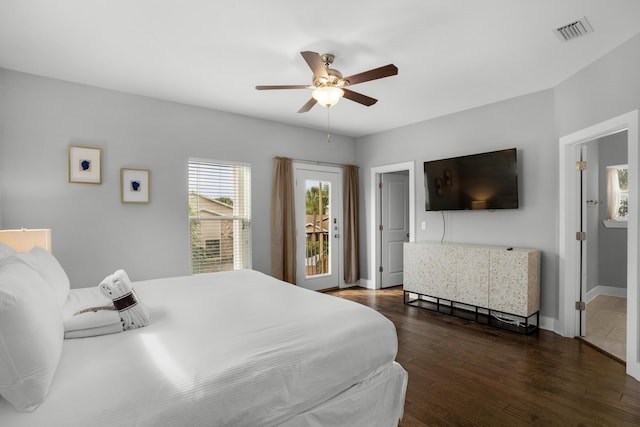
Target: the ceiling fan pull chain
(328, 125)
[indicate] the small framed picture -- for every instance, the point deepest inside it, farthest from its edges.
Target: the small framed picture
(85, 165)
(135, 185)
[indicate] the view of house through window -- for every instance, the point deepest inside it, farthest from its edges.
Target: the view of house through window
(317, 228)
(618, 192)
(219, 215)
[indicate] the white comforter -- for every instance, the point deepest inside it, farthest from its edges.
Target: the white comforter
(234, 348)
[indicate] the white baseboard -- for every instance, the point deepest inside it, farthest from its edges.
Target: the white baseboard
(611, 291)
(548, 324)
(366, 283)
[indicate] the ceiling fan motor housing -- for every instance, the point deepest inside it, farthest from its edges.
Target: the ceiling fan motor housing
(333, 78)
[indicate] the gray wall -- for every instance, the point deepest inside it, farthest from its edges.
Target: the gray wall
(93, 232)
(612, 258)
(604, 89)
(525, 123)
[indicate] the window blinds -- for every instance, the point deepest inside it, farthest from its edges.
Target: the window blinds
(219, 215)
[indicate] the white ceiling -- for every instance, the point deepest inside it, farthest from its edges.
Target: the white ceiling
(451, 54)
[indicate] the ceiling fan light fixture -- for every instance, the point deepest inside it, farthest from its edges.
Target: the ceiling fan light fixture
(327, 96)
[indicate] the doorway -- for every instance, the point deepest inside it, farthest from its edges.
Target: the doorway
(604, 270)
(375, 217)
(318, 205)
(569, 218)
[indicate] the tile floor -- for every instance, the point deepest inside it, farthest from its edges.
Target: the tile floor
(607, 324)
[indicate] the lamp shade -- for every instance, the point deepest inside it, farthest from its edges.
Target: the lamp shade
(24, 240)
(327, 95)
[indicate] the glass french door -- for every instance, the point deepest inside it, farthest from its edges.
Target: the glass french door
(318, 222)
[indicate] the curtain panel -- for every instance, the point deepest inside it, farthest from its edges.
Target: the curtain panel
(351, 207)
(283, 226)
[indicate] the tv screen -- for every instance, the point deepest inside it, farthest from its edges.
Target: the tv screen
(479, 181)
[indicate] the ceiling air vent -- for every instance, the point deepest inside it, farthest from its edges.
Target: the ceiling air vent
(574, 30)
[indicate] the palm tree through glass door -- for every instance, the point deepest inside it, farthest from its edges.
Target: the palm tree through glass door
(317, 227)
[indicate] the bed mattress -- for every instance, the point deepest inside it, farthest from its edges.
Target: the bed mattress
(233, 348)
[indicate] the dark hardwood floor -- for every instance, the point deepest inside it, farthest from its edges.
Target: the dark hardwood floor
(465, 374)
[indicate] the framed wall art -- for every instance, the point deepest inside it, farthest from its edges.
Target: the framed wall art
(85, 165)
(135, 185)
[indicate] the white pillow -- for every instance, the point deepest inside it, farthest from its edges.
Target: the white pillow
(6, 251)
(31, 335)
(50, 269)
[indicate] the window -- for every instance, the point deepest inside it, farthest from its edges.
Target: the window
(617, 192)
(219, 215)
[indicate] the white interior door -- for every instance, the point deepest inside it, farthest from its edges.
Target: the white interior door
(319, 221)
(395, 226)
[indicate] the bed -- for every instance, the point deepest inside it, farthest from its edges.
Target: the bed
(235, 348)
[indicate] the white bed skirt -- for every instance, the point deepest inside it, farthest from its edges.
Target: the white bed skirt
(376, 401)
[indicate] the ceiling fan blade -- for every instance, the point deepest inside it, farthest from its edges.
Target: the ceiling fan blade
(315, 63)
(359, 98)
(376, 73)
(306, 107)
(282, 87)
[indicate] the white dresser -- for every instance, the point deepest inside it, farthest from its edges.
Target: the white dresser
(487, 281)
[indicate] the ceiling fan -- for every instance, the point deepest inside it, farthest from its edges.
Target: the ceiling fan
(329, 85)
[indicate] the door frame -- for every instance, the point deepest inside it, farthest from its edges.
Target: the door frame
(338, 194)
(374, 215)
(569, 199)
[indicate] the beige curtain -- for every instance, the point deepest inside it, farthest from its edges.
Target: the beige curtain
(613, 193)
(350, 204)
(283, 225)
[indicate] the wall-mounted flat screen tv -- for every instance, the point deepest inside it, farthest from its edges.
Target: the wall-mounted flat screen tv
(474, 182)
